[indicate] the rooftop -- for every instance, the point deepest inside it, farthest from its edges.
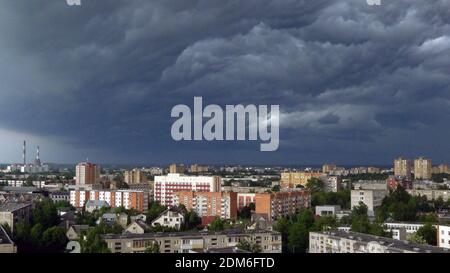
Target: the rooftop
(11, 207)
(190, 234)
(387, 242)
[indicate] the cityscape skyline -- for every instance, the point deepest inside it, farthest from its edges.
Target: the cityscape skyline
(108, 97)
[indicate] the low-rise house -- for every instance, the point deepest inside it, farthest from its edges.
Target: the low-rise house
(260, 221)
(141, 216)
(74, 232)
(169, 218)
(108, 219)
(123, 219)
(93, 205)
(137, 227)
(59, 196)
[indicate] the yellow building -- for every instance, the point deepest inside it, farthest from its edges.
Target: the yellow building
(422, 168)
(174, 168)
(402, 167)
(134, 176)
(293, 179)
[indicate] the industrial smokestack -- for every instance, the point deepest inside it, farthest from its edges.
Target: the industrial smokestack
(24, 154)
(37, 155)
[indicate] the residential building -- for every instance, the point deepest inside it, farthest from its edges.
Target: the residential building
(393, 182)
(371, 198)
(187, 242)
(129, 199)
(332, 183)
(402, 168)
(92, 205)
(59, 196)
(431, 194)
(442, 168)
(422, 168)
(371, 185)
(373, 170)
(327, 168)
(165, 186)
(327, 210)
(12, 213)
(443, 236)
(135, 176)
(87, 174)
(198, 169)
(337, 241)
(291, 180)
(137, 227)
(245, 199)
(279, 204)
(74, 232)
(409, 227)
(169, 218)
(209, 204)
(6, 244)
(260, 221)
(174, 168)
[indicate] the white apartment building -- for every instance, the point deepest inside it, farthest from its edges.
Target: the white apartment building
(332, 183)
(371, 198)
(166, 185)
(443, 236)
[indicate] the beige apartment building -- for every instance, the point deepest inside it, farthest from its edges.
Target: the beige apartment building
(174, 168)
(402, 167)
(135, 176)
(291, 180)
(87, 174)
(188, 242)
(422, 168)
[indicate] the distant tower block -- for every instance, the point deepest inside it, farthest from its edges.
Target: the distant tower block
(24, 152)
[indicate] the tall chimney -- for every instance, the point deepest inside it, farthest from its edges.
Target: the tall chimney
(24, 154)
(37, 155)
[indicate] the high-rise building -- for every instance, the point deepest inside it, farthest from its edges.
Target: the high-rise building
(402, 167)
(87, 174)
(279, 204)
(291, 180)
(327, 168)
(135, 176)
(198, 169)
(166, 185)
(208, 204)
(422, 168)
(174, 168)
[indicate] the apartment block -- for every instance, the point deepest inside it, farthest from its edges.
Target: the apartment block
(174, 168)
(327, 168)
(443, 236)
(422, 168)
(135, 176)
(87, 174)
(279, 204)
(198, 169)
(333, 183)
(291, 180)
(371, 198)
(208, 204)
(402, 168)
(12, 213)
(188, 242)
(166, 186)
(129, 199)
(337, 241)
(245, 199)
(431, 194)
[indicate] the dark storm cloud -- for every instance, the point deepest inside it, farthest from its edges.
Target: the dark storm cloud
(352, 80)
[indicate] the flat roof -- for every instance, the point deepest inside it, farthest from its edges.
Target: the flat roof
(190, 234)
(387, 242)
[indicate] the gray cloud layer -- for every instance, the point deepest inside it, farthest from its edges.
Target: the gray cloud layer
(355, 83)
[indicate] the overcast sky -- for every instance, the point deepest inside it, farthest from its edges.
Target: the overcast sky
(356, 84)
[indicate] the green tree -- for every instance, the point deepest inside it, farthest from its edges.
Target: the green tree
(248, 246)
(154, 211)
(54, 239)
(428, 233)
(153, 248)
(315, 185)
(217, 225)
(36, 234)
